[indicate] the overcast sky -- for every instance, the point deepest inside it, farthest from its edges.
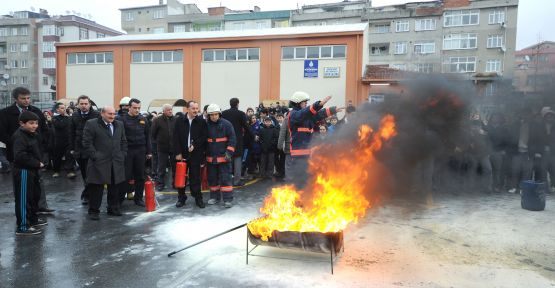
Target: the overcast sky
(535, 19)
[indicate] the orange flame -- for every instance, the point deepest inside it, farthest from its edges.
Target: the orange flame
(340, 176)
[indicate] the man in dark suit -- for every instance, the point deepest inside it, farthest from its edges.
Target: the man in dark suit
(190, 145)
(78, 120)
(105, 145)
(240, 124)
(9, 123)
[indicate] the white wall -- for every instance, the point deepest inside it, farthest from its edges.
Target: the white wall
(221, 81)
(95, 81)
(151, 81)
(71, 33)
(292, 79)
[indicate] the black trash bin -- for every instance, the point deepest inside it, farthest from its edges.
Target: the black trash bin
(533, 195)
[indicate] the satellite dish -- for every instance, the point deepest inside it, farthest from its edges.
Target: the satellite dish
(3, 83)
(527, 58)
(32, 8)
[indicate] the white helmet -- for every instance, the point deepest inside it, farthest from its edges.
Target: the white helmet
(125, 100)
(299, 97)
(213, 108)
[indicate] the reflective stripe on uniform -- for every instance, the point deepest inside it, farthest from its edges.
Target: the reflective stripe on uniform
(304, 129)
(223, 139)
(300, 152)
(226, 189)
(215, 188)
(231, 148)
(312, 110)
(218, 159)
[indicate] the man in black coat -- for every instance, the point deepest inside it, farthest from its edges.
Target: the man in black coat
(78, 120)
(9, 123)
(240, 124)
(62, 124)
(162, 134)
(105, 145)
(190, 144)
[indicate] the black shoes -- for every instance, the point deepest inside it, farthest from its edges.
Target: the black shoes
(40, 222)
(199, 202)
(43, 211)
(28, 231)
(94, 216)
(114, 212)
(140, 202)
(180, 201)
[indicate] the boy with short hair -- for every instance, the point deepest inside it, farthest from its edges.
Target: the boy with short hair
(26, 165)
(269, 135)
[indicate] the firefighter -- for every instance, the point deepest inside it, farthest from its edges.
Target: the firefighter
(301, 122)
(138, 151)
(221, 146)
(123, 106)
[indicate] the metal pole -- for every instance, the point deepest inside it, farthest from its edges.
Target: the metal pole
(331, 254)
(207, 239)
(247, 247)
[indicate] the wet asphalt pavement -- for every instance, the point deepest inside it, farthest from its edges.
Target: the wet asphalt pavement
(475, 241)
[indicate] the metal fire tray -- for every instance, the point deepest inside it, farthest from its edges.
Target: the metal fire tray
(316, 242)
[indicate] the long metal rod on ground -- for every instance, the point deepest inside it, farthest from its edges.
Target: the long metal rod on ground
(207, 239)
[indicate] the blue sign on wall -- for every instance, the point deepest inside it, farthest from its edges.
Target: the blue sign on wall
(310, 68)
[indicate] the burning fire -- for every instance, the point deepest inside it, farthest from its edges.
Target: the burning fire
(340, 176)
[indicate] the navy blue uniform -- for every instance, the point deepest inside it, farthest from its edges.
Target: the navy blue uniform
(138, 146)
(221, 141)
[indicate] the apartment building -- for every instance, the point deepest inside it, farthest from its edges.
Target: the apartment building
(474, 38)
(535, 68)
(27, 50)
(344, 12)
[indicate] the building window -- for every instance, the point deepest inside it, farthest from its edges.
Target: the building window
(461, 18)
(495, 41)
(13, 47)
(14, 31)
(14, 64)
(23, 63)
(460, 41)
(400, 48)
(24, 80)
(179, 28)
(100, 35)
(496, 17)
(49, 63)
(21, 15)
(158, 30)
(461, 64)
(157, 56)
(261, 25)
(493, 66)
(89, 58)
(402, 26)
(4, 32)
(241, 54)
(24, 48)
(83, 33)
(48, 30)
(399, 66)
(313, 52)
(424, 68)
(129, 16)
(24, 31)
(383, 49)
(377, 98)
(48, 47)
(45, 81)
(382, 28)
(158, 14)
(60, 31)
(424, 47)
(14, 80)
(425, 24)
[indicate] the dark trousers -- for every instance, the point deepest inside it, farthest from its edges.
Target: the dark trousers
(219, 180)
(521, 169)
(26, 184)
(280, 163)
(135, 172)
(83, 167)
(267, 164)
(193, 179)
(96, 192)
(58, 155)
(297, 168)
(165, 158)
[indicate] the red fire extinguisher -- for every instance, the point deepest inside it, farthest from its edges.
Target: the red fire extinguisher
(150, 198)
(180, 174)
